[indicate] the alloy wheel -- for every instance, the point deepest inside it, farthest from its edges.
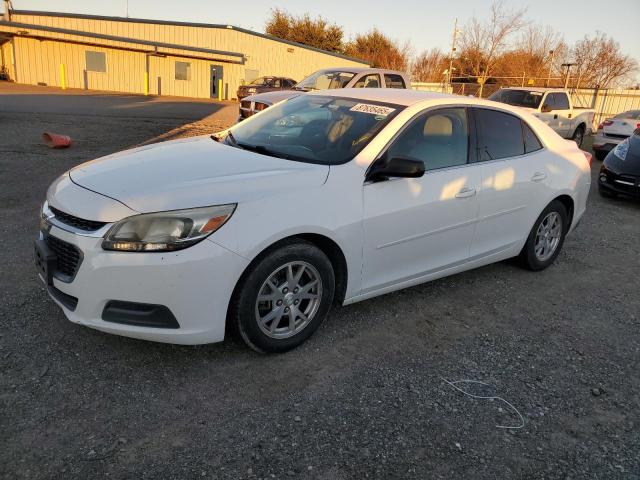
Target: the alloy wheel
(548, 236)
(288, 300)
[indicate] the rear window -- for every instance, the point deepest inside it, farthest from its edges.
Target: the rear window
(394, 81)
(500, 134)
(519, 98)
(632, 114)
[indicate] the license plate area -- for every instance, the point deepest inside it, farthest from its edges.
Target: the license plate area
(45, 261)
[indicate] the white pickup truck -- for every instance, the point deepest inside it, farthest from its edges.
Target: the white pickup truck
(553, 106)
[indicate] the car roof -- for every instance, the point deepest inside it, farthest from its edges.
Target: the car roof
(360, 70)
(399, 96)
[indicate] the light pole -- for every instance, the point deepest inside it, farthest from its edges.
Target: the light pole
(551, 52)
(566, 80)
(453, 51)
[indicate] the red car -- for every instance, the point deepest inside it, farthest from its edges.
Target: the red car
(265, 84)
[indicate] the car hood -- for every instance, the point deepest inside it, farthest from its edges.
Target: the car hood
(273, 97)
(193, 172)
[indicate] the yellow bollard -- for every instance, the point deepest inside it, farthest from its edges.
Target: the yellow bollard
(220, 89)
(146, 83)
(63, 77)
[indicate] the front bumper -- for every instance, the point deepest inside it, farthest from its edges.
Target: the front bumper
(194, 284)
(612, 182)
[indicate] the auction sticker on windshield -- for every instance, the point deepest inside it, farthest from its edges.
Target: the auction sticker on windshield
(372, 109)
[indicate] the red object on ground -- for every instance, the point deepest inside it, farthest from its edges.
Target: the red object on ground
(54, 140)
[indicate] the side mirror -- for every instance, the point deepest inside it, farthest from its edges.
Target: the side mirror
(396, 167)
(546, 108)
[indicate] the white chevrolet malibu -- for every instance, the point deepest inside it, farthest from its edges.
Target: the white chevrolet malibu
(329, 198)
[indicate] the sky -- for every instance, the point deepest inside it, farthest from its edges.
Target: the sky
(424, 23)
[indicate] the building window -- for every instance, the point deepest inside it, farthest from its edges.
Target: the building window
(96, 61)
(183, 71)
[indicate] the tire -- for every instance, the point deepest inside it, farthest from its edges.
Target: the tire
(578, 135)
(265, 325)
(529, 256)
(601, 154)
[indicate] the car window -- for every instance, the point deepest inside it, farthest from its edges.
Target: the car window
(276, 83)
(631, 114)
(531, 142)
(394, 81)
(561, 101)
(439, 138)
(368, 81)
(500, 134)
(323, 79)
(550, 101)
(519, 98)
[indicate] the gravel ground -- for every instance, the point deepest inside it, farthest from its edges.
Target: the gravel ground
(364, 398)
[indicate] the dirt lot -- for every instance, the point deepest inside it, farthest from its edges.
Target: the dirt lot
(364, 398)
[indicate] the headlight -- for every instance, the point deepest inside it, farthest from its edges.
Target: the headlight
(621, 149)
(166, 231)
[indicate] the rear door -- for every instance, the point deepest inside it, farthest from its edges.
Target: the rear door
(514, 179)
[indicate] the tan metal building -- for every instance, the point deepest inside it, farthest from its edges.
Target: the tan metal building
(148, 56)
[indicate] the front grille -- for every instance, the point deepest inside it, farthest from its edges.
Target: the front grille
(68, 258)
(79, 223)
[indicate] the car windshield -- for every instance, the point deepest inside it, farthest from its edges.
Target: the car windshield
(313, 128)
(261, 81)
(325, 80)
(518, 98)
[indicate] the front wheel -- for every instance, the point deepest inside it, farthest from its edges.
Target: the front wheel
(546, 237)
(284, 297)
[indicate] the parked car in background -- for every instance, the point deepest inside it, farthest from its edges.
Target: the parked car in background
(620, 171)
(265, 84)
(614, 130)
(329, 78)
(553, 106)
(335, 196)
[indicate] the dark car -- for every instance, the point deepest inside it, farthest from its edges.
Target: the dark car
(265, 84)
(620, 171)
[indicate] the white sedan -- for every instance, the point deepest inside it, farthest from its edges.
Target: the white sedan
(329, 198)
(614, 130)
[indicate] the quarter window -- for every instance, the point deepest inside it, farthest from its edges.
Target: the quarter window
(368, 81)
(394, 81)
(183, 71)
(438, 138)
(531, 142)
(500, 134)
(95, 61)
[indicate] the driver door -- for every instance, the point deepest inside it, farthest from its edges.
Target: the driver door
(417, 226)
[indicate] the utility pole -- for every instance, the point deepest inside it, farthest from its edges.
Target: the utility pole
(566, 79)
(453, 51)
(551, 52)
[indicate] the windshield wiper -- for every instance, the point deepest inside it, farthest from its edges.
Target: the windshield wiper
(265, 151)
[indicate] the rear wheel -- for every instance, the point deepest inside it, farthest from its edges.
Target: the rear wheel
(284, 297)
(546, 237)
(578, 135)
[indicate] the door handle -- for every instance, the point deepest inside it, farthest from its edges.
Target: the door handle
(466, 193)
(555, 116)
(538, 177)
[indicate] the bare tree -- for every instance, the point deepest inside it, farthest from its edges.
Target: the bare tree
(429, 66)
(599, 61)
(482, 43)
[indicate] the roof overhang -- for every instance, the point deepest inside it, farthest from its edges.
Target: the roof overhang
(43, 33)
